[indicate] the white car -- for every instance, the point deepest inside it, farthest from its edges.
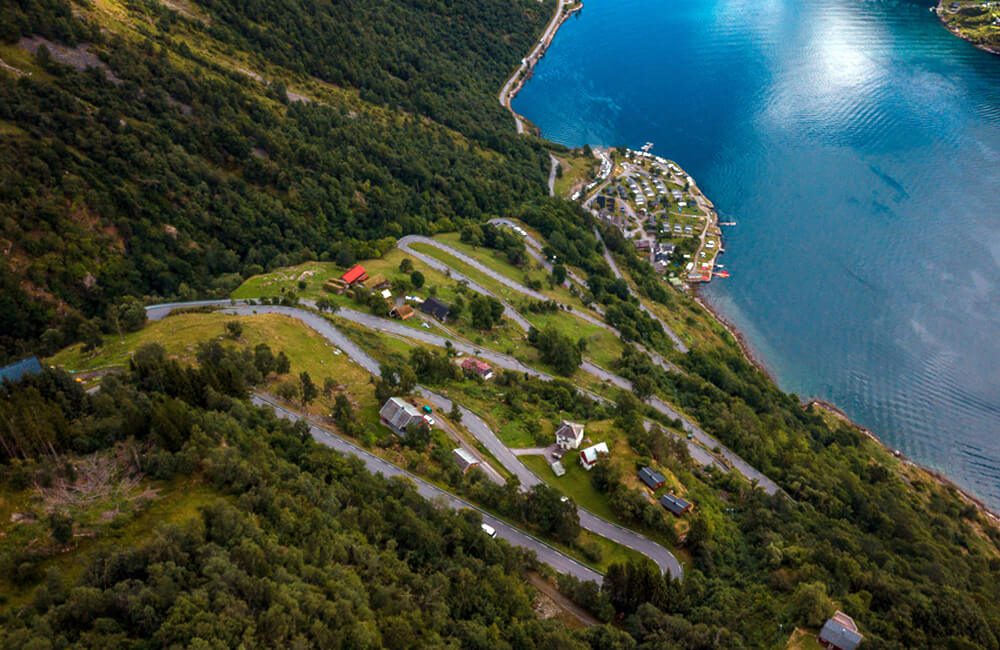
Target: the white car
(489, 530)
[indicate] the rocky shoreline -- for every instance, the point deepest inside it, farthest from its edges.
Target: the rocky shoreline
(564, 9)
(837, 412)
(939, 12)
(514, 84)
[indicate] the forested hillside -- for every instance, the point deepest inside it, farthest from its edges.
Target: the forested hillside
(271, 542)
(173, 152)
(178, 149)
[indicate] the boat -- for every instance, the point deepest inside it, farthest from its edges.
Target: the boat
(722, 274)
(727, 223)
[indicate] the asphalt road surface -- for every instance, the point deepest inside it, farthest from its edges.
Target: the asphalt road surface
(338, 338)
(545, 553)
(476, 426)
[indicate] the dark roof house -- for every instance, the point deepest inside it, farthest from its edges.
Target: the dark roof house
(569, 435)
(840, 633)
(652, 478)
(19, 369)
(435, 308)
(399, 415)
(675, 504)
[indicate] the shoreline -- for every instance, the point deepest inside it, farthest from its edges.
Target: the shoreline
(938, 11)
(507, 94)
(934, 474)
(520, 76)
(737, 335)
(836, 411)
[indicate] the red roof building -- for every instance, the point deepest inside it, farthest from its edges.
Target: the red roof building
(477, 367)
(355, 274)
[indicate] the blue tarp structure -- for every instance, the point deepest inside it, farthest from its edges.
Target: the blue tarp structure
(16, 371)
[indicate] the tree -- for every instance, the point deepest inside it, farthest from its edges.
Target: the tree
(417, 279)
(631, 584)
(127, 315)
(558, 274)
(309, 389)
(325, 304)
(485, 312)
(288, 390)
(395, 380)
(282, 365)
(234, 329)
(343, 414)
(263, 359)
(811, 605)
(418, 436)
(405, 265)
(457, 307)
(643, 386)
(555, 349)
(345, 256)
(61, 527)
(90, 334)
(604, 476)
(546, 508)
(472, 234)
(455, 413)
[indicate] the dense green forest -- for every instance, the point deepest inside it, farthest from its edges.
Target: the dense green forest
(163, 169)
(152, 152)
(295, 546)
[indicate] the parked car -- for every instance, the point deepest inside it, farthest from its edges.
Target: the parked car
(489, 530)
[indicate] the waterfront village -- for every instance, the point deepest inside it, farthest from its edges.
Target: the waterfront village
(659, 207)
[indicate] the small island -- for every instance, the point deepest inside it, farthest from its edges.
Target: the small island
(977, 21)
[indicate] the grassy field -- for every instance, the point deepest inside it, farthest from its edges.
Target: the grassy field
(575, 483)
(576, 172)
(803, 639)
(180, 335)
(496, 261)
(602, 345)
(315, 274)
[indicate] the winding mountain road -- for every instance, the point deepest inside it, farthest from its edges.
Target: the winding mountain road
(545, 553)
(699, 452)
(406, 244)
(678, 343)
(472, 422)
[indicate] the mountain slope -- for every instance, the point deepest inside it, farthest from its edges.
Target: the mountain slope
(172, 153)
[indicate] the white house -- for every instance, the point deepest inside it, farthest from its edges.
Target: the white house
(590, 455)
(569, 435)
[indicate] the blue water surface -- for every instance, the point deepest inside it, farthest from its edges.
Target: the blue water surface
(857, 145)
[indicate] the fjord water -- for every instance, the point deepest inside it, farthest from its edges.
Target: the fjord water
(857, 145)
